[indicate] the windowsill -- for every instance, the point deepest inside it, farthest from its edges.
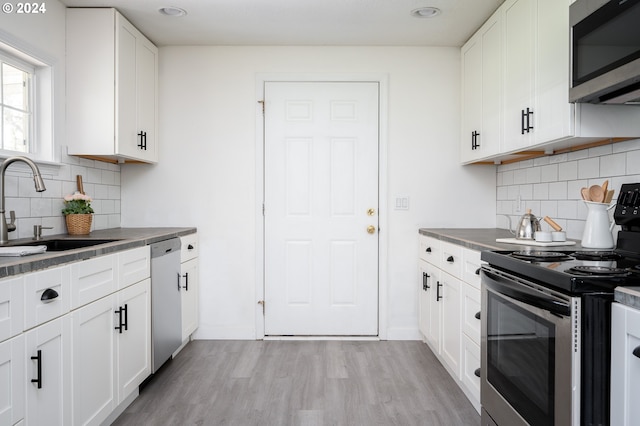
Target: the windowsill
(46, 167)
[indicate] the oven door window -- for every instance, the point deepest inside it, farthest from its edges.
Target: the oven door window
(521, 359)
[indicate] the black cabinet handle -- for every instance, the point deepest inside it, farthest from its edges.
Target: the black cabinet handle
(425, 281)
(428, 250)
(438, 285)
(474, 140)
(477, 315)
(48, 295)
(120, 325)
(450, 259)
(636, 352)
(179, 286)
(38, 358)
(478, 271)
(522, 118)
(529, 126)
(190, 247)
(186, 281)
(143, 140)
(126, 317)
(477, 372)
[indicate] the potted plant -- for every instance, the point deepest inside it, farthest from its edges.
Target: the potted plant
(78, 213)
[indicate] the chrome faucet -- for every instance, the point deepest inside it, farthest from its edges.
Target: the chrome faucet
(5, 227)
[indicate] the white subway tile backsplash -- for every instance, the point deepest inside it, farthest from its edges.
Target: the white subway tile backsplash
(557, 192)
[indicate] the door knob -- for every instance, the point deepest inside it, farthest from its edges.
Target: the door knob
(371, 212)
(371, 229)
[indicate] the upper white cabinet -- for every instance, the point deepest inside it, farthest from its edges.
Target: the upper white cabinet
(532, 64)
(112, 75)
(481, 92)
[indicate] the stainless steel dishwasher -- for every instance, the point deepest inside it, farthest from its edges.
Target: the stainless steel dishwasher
(166, 308)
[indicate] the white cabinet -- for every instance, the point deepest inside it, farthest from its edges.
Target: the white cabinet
(482, 92)
(111, 336)
(625, 365)
(533, 91)
(112, 75)
(111, 351)
(92, 279)
(449, 309)
(47, 295)
(189, 284)
(11, 307)
(12, 374)
(48, 373)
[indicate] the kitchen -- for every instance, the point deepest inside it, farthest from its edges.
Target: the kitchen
(207, 119)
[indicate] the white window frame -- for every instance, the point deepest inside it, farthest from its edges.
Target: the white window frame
(32, 131)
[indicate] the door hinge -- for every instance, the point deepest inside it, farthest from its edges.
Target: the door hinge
(262, 209)
(262, 102)
(261, 302)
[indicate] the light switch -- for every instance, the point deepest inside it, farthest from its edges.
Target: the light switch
(402, 202)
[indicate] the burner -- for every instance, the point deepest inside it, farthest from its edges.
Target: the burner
(599, 270)
(597, 255)
(541, 256)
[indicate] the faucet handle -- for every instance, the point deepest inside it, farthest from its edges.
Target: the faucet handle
(11, 226)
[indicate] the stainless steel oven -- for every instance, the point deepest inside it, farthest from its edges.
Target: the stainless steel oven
(530, 370)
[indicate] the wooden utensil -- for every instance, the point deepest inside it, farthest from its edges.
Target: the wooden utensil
(596, 194)
(552, 224)
(79, 183)
(605, 187)
(585, 194)
(609, 196)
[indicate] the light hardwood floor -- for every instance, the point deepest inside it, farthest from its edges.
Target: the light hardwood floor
(244, 383)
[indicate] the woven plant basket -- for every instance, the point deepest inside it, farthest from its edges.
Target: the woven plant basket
(79, 224)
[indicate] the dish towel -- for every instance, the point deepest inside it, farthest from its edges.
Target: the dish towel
(22, 250)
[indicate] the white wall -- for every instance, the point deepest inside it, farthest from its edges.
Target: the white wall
(206, 171)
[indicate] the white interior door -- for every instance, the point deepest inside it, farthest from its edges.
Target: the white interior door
(321, 208)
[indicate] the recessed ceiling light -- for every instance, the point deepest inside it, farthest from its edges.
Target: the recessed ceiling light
(426, 12)
(172, 11)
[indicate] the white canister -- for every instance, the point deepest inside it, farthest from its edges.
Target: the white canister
(597, 229)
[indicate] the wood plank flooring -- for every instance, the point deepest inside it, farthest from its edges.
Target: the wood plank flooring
(306, 383)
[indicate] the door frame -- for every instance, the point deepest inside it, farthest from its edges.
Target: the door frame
(383, 81)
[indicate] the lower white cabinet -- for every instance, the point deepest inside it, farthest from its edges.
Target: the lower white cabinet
(12, 380)
(449, 310)
(189, 297)
(48, 373)
(111, 351)
(625, 365)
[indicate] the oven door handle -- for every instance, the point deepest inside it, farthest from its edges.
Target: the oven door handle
(526, 295)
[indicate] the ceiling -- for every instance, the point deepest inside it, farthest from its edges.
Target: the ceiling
(303, 22)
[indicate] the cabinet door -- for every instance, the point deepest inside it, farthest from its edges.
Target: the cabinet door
(471, 97)
(425, 283)
(11, 307)
(519, 57)
(146, 97)
(554, 114)
(470, 372)
(126, 128)
(434, 330)
(189, 296)
(134, 342)
(470, 300)
(48, 356)
(450, 290)
(133, 266)
(93, 361)
(12, 379)
(625, 365)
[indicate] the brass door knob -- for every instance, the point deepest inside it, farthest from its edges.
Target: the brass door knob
(371, 229)
(371, 212)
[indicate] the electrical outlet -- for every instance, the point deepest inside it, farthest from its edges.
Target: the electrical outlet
(402, 202)
(518, 208)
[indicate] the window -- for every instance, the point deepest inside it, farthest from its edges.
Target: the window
(16, 105)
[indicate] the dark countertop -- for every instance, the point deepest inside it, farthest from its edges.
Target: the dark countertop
(128, 238)
(482, 238)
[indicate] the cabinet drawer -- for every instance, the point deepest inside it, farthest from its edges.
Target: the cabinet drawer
(133, 266)
(471, 312)
(11, 307)
(188, 247)
(92, 279)
(451, 259)
(471, 366)
(47, 295)
(430, 249)
(471, 267)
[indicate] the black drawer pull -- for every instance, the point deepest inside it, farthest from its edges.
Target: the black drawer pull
(478, 271)
(190, 247)
(636, 352)
(450, 259)
(477, 372)
(120, 325)
(425, 281)
(428, 250)
(477, 315)
(38, 358)
(48, 295)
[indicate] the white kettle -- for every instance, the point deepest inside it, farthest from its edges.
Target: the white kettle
(598, 228)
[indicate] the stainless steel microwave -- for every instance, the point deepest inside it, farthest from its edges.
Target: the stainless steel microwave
(605, 51)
